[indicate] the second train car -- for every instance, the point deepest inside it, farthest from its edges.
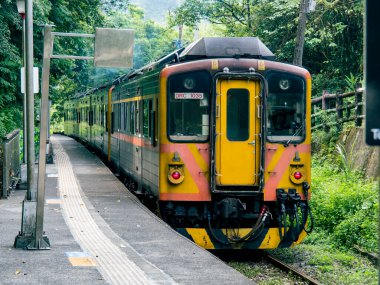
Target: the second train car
(217, 134)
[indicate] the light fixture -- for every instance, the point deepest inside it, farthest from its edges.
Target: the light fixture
(189, 83)
(297, 175)
(21, 7)
(176, 175)
(284, 84)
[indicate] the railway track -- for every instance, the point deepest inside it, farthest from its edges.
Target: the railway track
(372, 257)
(283, 266)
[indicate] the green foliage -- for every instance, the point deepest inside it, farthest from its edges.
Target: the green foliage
(352, 82)
(10, 115)
(334, 43)
(324, 140)
(345, 206)
(10, 119)
(236, 16)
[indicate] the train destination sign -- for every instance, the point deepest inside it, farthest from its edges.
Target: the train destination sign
(191, 95)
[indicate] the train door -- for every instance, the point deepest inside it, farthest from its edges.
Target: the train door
(237, 153)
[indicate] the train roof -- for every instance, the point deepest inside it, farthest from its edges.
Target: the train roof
(226, 47)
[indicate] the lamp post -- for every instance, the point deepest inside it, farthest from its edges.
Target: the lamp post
(21, 11)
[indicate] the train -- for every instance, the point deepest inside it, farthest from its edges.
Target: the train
(215, 135)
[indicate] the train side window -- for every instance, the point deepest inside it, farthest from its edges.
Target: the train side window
(91, 118)
(127, 117)
(150, 118)
(112, 122)
(286, 108)
(116, 117)
(132, 117)
(122, 115)
(137, 117)
(102, 117)
(147, 109)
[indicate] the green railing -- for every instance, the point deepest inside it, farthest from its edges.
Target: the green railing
(335, 109)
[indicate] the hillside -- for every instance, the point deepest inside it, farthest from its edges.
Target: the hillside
(157, 9)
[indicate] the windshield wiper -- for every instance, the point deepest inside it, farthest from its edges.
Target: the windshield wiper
(297, 132)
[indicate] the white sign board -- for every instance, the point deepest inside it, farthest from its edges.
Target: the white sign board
(114, 48)
(36, 87)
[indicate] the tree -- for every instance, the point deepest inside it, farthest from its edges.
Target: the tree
(333, 36)
(10, 115)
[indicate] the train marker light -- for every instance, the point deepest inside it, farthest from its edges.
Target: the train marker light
(297, 175)
(176, 175)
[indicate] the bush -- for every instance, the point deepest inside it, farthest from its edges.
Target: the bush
(345, 206)
(10, 119)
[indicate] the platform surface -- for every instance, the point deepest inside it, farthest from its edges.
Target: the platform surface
(100, 233)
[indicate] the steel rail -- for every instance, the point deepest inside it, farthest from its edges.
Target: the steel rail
(278, 263)
(372, 257)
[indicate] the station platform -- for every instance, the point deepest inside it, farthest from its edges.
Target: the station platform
(100, 233)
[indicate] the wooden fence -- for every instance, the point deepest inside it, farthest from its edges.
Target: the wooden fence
(9, 163)
(335, 109)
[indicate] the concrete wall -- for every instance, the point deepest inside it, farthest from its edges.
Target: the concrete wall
(359, 155)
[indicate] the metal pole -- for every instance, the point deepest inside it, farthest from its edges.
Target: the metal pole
(28, 223)
(32, 189)
(24, 148)
(41, 241)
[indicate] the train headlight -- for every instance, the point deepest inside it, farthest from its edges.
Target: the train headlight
(284, 84)
(176, 175)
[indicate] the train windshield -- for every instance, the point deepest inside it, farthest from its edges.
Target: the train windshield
(286, 108)
(188, 106)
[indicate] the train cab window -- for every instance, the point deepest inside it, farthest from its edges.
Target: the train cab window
(286, 106)
(188, 106)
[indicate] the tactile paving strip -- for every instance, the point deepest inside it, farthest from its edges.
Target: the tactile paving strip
(112, 262)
